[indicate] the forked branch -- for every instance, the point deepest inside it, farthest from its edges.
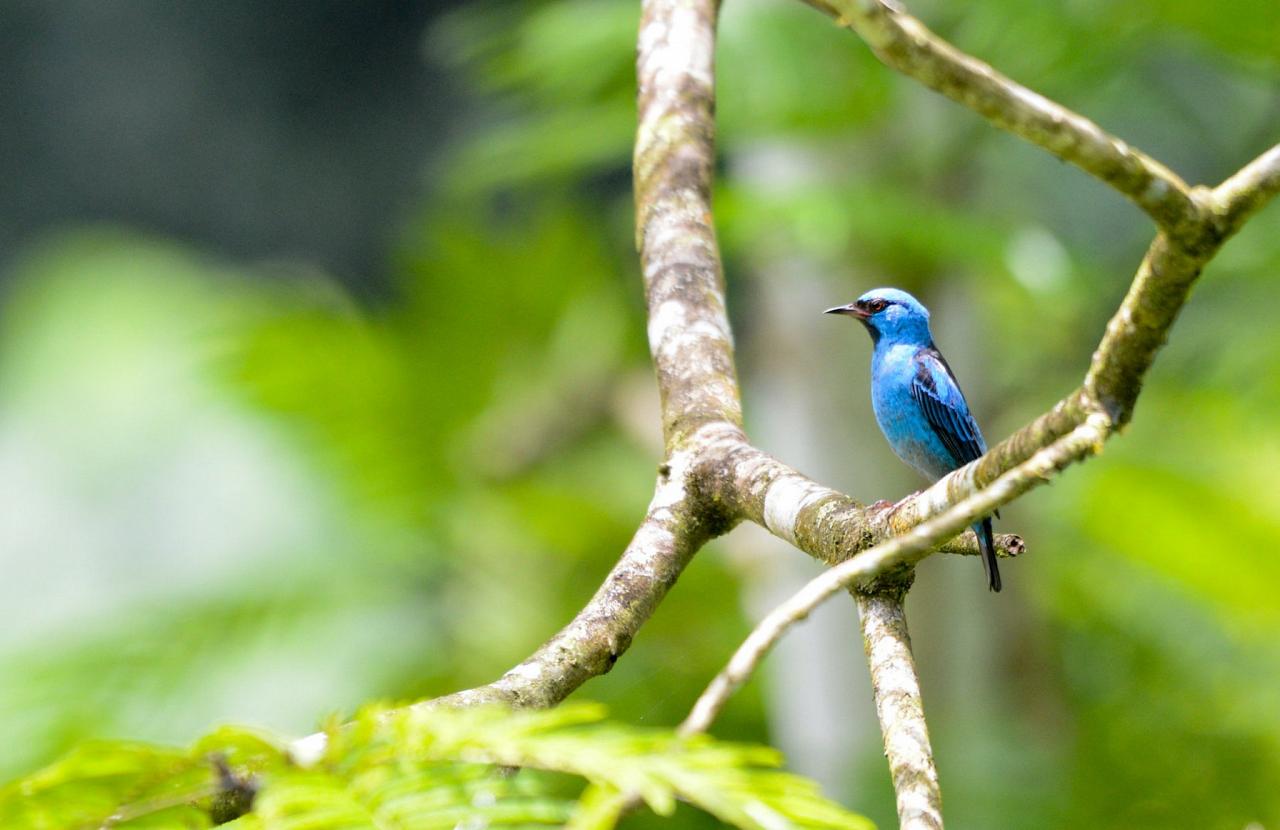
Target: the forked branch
(712, 477)
(898, 551)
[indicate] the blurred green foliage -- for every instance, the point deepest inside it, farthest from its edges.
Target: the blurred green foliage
(231, 498)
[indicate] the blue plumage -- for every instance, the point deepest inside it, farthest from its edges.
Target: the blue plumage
(916, 398)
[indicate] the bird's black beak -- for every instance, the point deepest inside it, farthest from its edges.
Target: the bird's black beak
(851, 310)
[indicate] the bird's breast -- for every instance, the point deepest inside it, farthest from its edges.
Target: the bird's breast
(902, 420)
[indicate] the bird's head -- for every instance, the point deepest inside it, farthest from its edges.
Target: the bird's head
(891, 314)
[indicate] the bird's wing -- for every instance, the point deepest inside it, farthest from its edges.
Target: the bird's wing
(935, 389)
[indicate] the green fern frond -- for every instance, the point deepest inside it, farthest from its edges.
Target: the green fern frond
(101, 784)
(737, 783)
(422, 768)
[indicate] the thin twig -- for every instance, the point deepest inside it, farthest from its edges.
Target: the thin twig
(1249, 190)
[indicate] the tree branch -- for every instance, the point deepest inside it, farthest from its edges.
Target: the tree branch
(822, 522)
(1098, 408)
(1248, 191)
(904, 43)
(712, 477)
(896, 552)
(588, 646)
(1196, 223)
(689, 335)
(591, 643)
(1133, 336)
(900, 709)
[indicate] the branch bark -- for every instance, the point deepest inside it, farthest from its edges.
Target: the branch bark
(900, 708)
(1248, 191)
(689, 335)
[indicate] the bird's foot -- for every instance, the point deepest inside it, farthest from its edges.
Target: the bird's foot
(886, 506)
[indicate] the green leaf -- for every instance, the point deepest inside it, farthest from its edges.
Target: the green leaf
(600, 808)
(129, 785)
(421, 768)
(306, 800)
(736, 783)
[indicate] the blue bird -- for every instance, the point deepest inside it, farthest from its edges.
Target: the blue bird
(916, 398)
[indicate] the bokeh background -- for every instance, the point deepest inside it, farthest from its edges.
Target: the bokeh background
(323, 378)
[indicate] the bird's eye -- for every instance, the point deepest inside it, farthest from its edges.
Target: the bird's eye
(876, 306)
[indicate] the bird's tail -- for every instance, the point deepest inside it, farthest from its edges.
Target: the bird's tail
(987, 544)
